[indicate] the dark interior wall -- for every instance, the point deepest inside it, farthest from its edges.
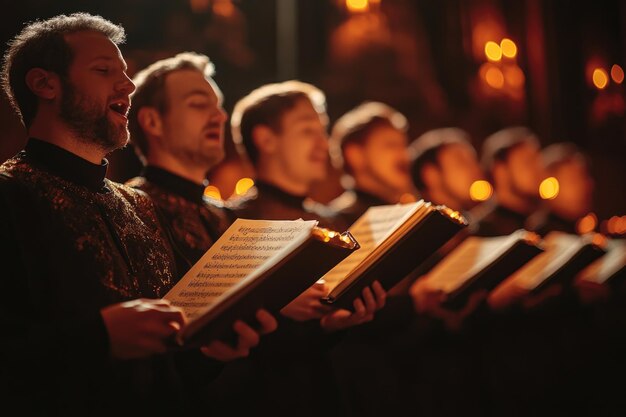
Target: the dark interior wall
(558, 103)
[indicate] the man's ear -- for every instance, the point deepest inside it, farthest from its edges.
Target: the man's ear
(431, 177)
(150, 121)
(264, 139)
(354, 157)
(44, 84)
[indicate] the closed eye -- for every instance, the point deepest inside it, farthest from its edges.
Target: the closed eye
(199, 105)
(311, 131)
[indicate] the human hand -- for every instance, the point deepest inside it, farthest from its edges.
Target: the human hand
(307, 305)
(372, 300)
(247, 338)
(508, 294)
(428, 300)
(591, 292)
(140, 328)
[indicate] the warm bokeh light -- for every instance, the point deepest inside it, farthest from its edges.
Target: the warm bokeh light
(494, 78)
(480, 190)
(587, 224)
(617, 74)
(493, 51)
(224, 8)
(243, 185)
(600, 78)
(549, 188)
(508, 47)
(212, 192)
(357, 5)
(514, 76)
(482, 71)
(616, 225)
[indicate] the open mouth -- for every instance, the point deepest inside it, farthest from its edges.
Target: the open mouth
(213, 135)
(120, 107)
(403, 168)
(214, 132)
(318, 159)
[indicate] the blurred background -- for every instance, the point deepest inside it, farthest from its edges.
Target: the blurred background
(554, 66)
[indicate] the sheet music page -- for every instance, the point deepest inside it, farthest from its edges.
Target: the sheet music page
(602, 269)
(370, 230)
(247, 249)
(559, 248)
(469, 258)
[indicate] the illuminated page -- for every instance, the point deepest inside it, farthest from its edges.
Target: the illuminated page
(468, 259)
(246, 250)
(371, 229)
(560, 248)
(604, 268)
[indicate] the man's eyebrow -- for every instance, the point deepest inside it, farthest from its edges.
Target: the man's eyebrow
(306, 117)
(108, 58)
(217, 97)
(195, 91)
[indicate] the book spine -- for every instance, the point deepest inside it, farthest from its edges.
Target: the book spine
(566, 273)
(489, 278)
(271, 291)
(407, 255)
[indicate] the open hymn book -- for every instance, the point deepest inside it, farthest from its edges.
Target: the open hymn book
(394, 240)
(254, 264)
(481, 263)
(610, 268)
(564, 257)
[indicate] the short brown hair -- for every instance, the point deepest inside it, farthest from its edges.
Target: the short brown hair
(266, 106)
(560, 153)
(149, 92)
(498, 146)
(41, 44)
(356, 125)
(426, 148)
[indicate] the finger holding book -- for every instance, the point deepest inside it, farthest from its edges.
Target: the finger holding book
(394, 240)
(140, 328)
(247, 338)
(549, 293)
(590, 292)
(364, 308)
(257, 264)
(307, 306)
(509, 295)
(505, 296)
(430, 300)
(544, 277)
(595, 283)
(482, 264)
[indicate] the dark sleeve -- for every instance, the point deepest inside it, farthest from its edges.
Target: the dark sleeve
(195, 369)
(298, 338)
(36, 348)
(399, 321)
(184, 261)
(230, 215)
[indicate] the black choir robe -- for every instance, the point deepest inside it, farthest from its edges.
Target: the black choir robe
(296, 375)
(192, 221)
(73, 243)
(269, 202)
